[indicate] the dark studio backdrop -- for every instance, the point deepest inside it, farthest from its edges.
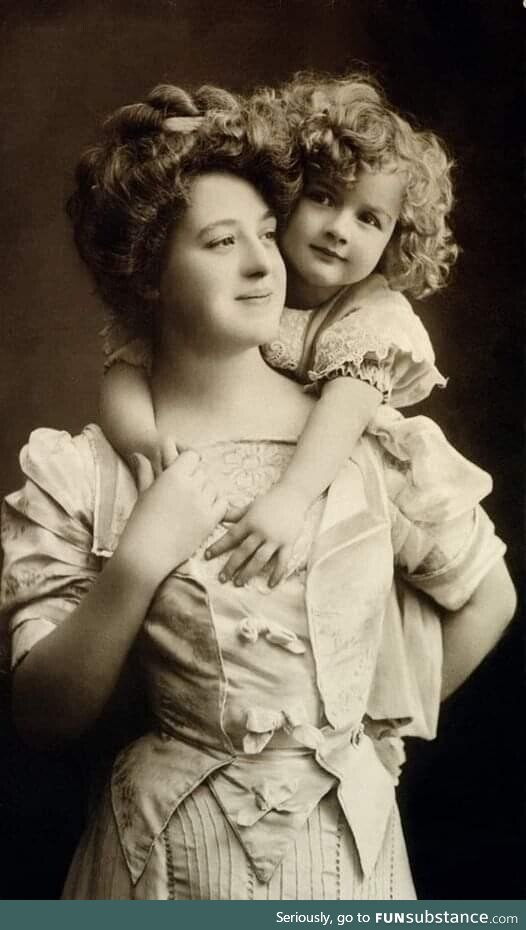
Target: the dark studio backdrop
(456, 66)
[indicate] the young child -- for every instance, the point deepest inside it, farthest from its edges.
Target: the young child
(369, 223)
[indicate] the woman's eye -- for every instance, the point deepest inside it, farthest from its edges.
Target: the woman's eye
(270, 235)
(225, 241)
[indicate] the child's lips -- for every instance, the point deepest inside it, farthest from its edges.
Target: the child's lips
(329, 253)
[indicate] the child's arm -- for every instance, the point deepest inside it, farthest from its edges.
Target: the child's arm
(270, 526)
(126, 413)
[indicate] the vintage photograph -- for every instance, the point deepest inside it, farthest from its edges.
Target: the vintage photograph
(262, 450)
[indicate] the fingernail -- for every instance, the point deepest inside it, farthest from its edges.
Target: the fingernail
(222, 578)
(208, 555)
(238, 583)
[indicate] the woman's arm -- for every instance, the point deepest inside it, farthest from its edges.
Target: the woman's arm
(470, 633)
(272, 523)
(63, 684)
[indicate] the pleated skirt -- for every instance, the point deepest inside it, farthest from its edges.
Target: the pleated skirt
(198, 857)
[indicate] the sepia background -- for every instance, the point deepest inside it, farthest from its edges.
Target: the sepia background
(456, 67)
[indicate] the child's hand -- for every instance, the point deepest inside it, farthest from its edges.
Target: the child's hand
(265, 532)
(173, 515)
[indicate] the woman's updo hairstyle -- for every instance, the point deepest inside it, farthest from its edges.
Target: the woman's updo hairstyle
(342, 125)
(132, 186)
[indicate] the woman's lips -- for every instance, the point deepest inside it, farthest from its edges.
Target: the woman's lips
(256, 296)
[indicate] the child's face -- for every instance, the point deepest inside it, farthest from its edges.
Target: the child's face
(337, 234)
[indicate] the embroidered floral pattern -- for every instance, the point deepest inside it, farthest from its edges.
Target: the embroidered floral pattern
(243, 471)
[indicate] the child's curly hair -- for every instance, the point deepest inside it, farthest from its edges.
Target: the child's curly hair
(133, 185)
(343, 124)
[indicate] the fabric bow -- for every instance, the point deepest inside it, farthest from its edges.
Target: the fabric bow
(266, 797)
(250, 629)
(262, 723)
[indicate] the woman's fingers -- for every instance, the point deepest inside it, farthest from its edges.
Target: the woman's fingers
(256, 564)
(188, 461)
(156, 461)
(281, 562)
(143, 470)
(168, 451)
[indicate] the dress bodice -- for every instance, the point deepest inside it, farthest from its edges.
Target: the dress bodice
(263, 642)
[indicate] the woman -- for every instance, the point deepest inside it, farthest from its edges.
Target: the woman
(258, 777)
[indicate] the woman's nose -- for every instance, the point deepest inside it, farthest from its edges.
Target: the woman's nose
(256, 258)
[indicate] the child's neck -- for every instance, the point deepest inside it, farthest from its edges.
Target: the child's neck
(302, 295)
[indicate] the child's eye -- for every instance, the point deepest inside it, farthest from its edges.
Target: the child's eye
(371, 219)
(320, 196)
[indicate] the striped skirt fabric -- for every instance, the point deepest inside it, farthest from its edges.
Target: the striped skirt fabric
(198, 857)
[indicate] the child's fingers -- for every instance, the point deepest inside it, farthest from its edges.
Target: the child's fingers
(241, 555)
(220, 506)
(234, 514)
(281, 562)
(168, 451)
(143, 471)
(228, 541)
(256, 564)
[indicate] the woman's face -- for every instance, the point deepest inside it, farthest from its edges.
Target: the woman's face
(223, 281)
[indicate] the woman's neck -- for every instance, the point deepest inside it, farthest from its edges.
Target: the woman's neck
(201, 398)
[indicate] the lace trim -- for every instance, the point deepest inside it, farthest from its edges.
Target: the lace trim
(343, 344)
(378, 377)
(285, 352)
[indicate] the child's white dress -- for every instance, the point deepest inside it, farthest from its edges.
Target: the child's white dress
(369, 332)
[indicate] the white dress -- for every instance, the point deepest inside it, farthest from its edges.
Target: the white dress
(267, 816)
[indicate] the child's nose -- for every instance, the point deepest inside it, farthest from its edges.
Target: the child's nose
(339, 226)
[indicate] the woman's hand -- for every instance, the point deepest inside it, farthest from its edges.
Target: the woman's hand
(264, 532)
(174, 514)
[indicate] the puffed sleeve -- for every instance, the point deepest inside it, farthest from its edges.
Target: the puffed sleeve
(446, 560)
(47, 537)
(119, 346)
(374, 335)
